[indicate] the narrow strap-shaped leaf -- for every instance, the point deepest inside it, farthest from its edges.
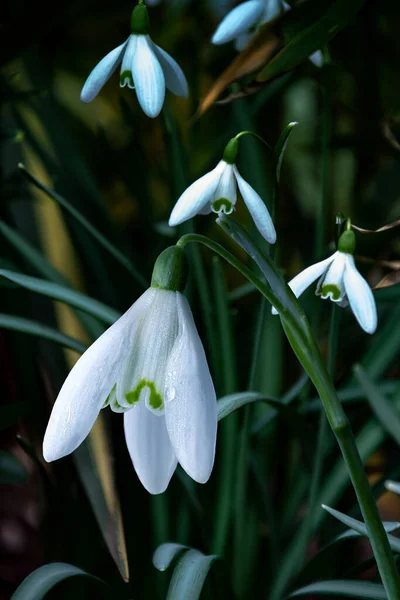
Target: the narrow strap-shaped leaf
(99, 237)
(59, 292)
(34, 328)
(353, 589)
(228, 404)
(41, 581)
(166, 554)
(383, 409)
(358, 526)
(189, 575)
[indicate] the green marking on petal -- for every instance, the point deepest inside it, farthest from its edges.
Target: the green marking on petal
(109, 397)
(222, 205)
(332, 290)
(126, 79)
(155, 400)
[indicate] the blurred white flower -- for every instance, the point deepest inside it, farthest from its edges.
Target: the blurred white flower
(216, 192)
(242, 23)
(340, 281)
(151, 366)
(145, 67)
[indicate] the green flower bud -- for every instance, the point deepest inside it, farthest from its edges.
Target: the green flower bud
(230, 152)
(347, 242)
(140, 20)
(171, 270)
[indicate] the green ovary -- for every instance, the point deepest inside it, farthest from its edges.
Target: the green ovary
(155, 400)
(332, 289)
(126, 77)
(222, 205)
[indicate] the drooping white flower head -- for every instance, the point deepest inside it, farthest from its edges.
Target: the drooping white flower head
(151, 366)
(217, 192)
(242, 23)
(340, 281)
(145, 67)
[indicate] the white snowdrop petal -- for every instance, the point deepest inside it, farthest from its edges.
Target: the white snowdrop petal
(257, 209)
(305, 278)
(175, 79)
(149, 447)
(360, 296)
(148, 77)
(272, 9)
(243, 40)
(126, 77)
(102, 73)
(196, 197)
(88, 385)
(191, 405)
(331, 285)
(317, 58)
(142, 376)
(238, 21)
(225, 190)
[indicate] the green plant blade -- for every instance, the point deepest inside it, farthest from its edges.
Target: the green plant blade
(358, 526)
(232, 402)
(311, 37)
(281, 145)
(165, 554)
(99, 237)
(352, 589)
(34, 328)
(59, 292)
(380, 405)
(41, 581)
(189, 575)
(11, 470)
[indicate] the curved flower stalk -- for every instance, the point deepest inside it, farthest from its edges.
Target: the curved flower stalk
(216, 192)
(145, 67)
(242, 23)
(340, 281)
(150, 365)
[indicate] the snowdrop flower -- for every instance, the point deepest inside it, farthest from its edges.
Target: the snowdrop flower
(150, 365)
(243, 21)
(216, 192)
(340, 281)
(145, 67)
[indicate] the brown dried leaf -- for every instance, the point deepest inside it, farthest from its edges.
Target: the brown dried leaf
(260, 50)
(390, 279)
(384, 228)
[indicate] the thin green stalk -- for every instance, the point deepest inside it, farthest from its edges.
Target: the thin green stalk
(304, 345)
(223, 513)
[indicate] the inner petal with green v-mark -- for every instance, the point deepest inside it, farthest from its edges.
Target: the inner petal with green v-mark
(331, 290)
(155, 400)
(222, 205)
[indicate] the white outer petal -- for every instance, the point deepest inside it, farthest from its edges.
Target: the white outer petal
(191, 404)
(197, 195)
(305, 278)
(148, 77)
(272, 9)
(102, 73)
(360, 296)
(175, 79)
(317, 58)
(149, 447)
(238, 21)
(88, 384)
(257, 209)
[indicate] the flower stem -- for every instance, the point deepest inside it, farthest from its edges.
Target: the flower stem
(301, 339)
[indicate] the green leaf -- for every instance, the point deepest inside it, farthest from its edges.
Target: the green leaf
(14, 323)
(166, 554)
(381, 406)
(41, 581)
(11, 470)
(281, 145)
(99, 237)
(353, 589)
(358, 526)
(64, 294)
(232, 402)
(312, 37)
(189, 575)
